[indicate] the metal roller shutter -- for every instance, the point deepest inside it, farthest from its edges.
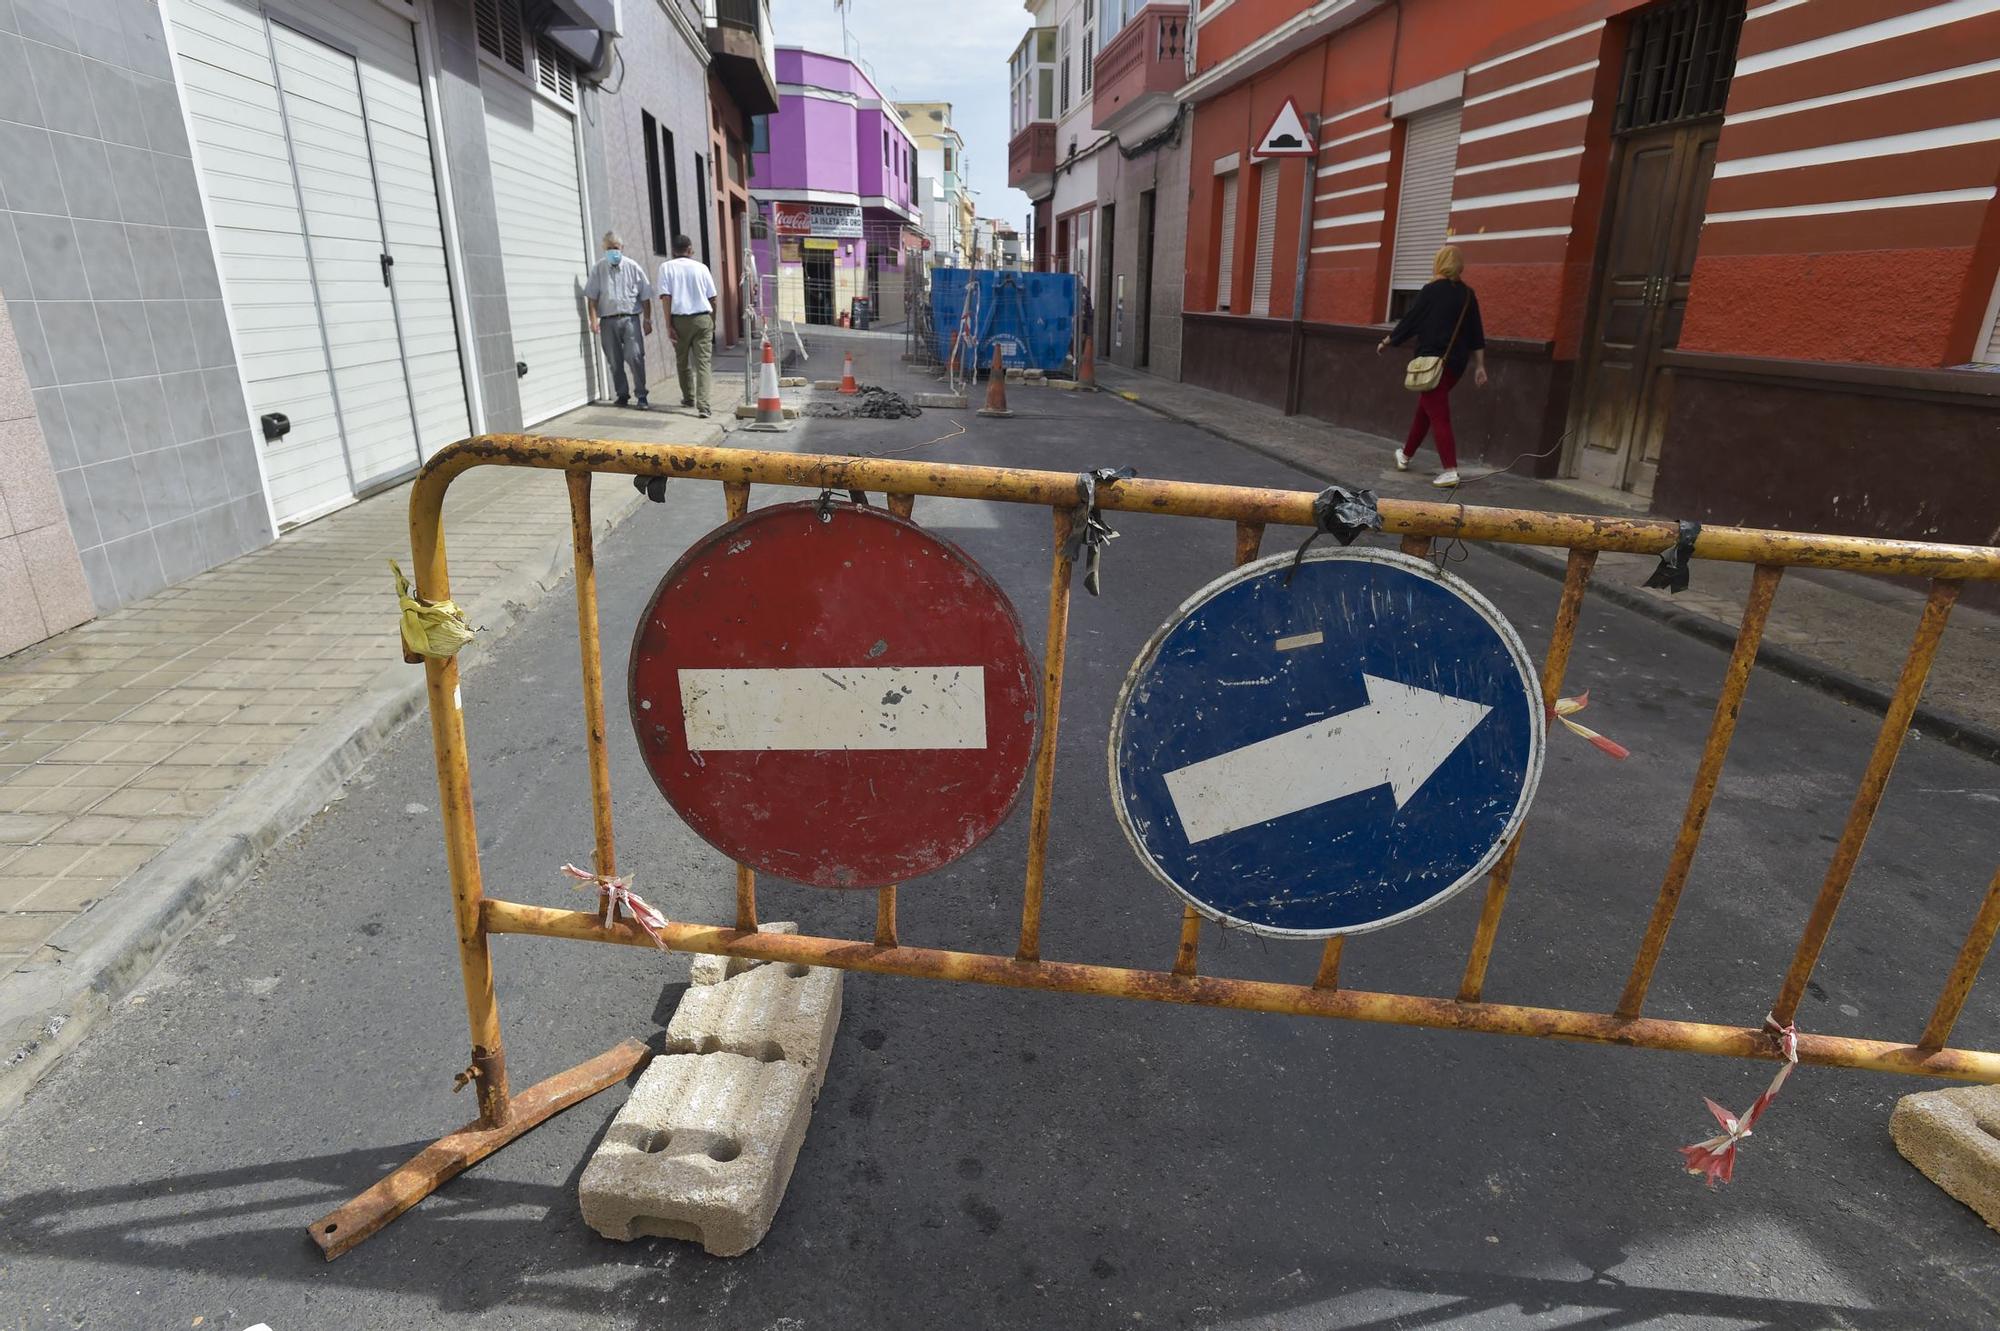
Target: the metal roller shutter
(1267, 238)
(1423, 209)
(314, 155)
(543, 250)
(1225, 268)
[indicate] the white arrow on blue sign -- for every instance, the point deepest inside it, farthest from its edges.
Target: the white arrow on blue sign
(1327, 750)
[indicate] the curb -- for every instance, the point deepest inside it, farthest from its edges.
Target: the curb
(1969, 736)
(107, 952)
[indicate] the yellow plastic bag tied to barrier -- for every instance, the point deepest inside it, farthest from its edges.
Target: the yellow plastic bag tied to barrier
(430, 628)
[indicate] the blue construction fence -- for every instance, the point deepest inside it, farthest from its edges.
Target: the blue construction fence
(1031, 317)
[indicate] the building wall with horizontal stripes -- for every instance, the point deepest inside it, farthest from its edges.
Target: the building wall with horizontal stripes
(1852, 214)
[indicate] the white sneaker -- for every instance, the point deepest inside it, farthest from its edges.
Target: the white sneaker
(1402, 460)
(1446, 479)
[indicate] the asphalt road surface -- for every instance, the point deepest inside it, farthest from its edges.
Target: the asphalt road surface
(990, 1158)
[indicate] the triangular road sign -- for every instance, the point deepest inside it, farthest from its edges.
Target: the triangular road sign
(1287, 136)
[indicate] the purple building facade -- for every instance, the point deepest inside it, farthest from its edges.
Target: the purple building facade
(832, 175)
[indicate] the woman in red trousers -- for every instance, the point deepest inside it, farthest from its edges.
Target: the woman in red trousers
(1444, 319)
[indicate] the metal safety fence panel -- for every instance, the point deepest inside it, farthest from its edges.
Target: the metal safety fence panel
(1072, 500)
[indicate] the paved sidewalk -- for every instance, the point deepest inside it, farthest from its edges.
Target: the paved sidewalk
(148, 757)
(1844, 632)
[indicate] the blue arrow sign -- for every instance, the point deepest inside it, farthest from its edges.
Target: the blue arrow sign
(1328, 756)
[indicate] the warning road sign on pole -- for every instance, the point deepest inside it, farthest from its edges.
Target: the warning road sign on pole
(829, 693)
(1327, 749)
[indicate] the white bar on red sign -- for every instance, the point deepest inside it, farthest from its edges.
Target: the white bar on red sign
(871, 707)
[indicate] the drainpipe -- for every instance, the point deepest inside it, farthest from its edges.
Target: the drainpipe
(1295, 373)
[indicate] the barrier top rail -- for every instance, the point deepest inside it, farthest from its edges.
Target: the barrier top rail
(1402, 517)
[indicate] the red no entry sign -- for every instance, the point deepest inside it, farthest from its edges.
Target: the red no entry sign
(845, 703)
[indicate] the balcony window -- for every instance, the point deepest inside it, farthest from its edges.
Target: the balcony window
(1032, 79)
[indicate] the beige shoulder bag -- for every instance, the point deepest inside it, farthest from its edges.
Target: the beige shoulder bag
(1426, 372)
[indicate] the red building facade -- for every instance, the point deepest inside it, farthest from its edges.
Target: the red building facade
(1734, 261)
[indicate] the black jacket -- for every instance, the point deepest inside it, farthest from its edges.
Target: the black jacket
(1434, 314)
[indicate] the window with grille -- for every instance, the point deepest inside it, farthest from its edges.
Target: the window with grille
(673, 183)
(1267, 239)
(1225, 266)
(1678, 62)
(654, 196)
(1089, 42)
(1063, 74)
(553, 71)
(701, 202)
(498, 23)
(1423, 204)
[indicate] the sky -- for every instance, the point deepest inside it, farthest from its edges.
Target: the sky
(918, 54)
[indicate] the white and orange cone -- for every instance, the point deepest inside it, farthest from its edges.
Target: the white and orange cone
(847, 384)
(770, 404)
(1086, 370)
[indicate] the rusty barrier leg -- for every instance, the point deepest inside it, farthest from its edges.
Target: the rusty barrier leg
(1045, 758)
(1736, 679)
(1958, 985)
(508, 917)
(583, 542)
(736, 502)
(1249, 540)
(1576, 577)
(885, 916)
(1888, 743)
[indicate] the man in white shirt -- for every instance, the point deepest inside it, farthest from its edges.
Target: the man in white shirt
(687, 298)
(621, 301)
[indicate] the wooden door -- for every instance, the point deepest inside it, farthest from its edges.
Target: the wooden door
(1653, 231)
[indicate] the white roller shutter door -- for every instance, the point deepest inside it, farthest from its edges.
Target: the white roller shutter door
(246, 175)
(1225, 266)
(1423, 208)
(307, 188)
(321, 92)
(531, 144)
(1267, 238)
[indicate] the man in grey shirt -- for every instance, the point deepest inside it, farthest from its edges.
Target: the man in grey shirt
(621, 314)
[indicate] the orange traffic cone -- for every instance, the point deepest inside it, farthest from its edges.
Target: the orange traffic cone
(1086, 369)
(951, 361)
(847, 384)
(770, 405)
(996, 388)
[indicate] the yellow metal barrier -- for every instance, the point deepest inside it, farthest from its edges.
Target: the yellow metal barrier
(504, 1116)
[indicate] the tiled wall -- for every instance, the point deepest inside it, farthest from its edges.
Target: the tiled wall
(110, 283)
(41, 580)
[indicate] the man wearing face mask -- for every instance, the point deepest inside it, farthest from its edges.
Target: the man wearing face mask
(621, 314)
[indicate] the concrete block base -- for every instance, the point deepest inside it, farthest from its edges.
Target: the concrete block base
(702, 1151)
(793, 381)
(706, 969)
(1953, 1137)
(747, 411)
(777, 1011)
(949, 401)
(704, 1147)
